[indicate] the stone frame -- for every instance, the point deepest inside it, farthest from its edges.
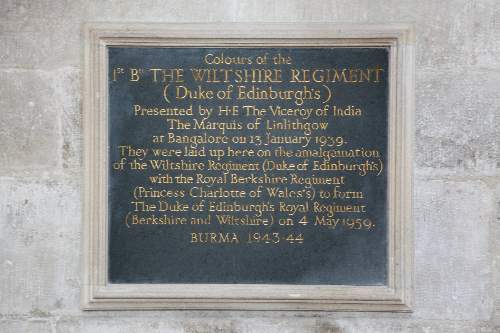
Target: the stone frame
(99, 294)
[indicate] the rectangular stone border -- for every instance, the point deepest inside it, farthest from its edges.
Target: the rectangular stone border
(99, 294)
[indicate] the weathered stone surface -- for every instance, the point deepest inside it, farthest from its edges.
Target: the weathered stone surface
(257, 324)
(401, 326)
(25, 326)
(50, 30)
(495, 250)
(36, 107)
(40, 34)
(452, 263)
(40, 251)
(239, 324)
(68, 91)
(455, 118)
(486, 29)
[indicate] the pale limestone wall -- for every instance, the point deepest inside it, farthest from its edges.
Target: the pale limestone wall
(457, 178)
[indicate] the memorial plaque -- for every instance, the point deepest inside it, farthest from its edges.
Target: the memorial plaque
(248, 167)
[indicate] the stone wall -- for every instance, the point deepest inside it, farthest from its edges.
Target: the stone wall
(457, 179)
